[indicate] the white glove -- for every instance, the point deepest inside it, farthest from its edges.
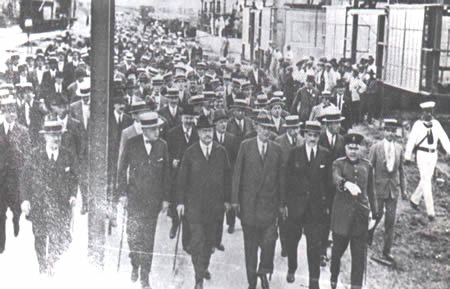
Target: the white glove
(175, 163)
(72, 201)
(352, 188)
(180, 210)
(25, 207)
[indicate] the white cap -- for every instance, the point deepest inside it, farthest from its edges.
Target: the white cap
(427, 104)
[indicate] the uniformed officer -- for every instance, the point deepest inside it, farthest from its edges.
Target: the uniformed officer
(353, 202)
(423, 140)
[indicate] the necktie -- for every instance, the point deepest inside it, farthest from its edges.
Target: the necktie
(332, 141)
(207, 153)
(339, 102)
(430, 137)
(311, 156)
(186, 135)
(241, 125)
(263, 151)
(294, 141)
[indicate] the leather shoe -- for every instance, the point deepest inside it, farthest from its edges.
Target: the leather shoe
(388, 257)
(207, 275)
(290, 278)
(135, 274)
(230, 229)
(220, 247)
(173, 231)
(16, 228)
(414, 205)
(333, 282)
(264, 281)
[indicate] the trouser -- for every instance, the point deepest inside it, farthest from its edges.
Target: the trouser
(313, 232)
(390, 206)
(49, 253)
(358, 252)
(2, 231)
(202, 241)
(84, 190)
(371, 100)
(356, 112)
(426, 163)
(231, 220)
(141, 238)
(255, 237)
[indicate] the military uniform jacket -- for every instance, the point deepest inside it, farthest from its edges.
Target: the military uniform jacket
(49, 187)
(306, 184)
(349, 216)
(257, 183)
(148, 182)
(204, 185)
(387, 184)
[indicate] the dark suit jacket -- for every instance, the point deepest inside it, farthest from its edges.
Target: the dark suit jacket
(338, 150)
(231, 144)
(307, 102)
(387, 184)
(49, 187)
(36, 116)
(47, 82)
(203, 186)
(306, 185)
(281, 130)
(286, 146)
(7, 196)
(172, 121)
(258, 184)
(77, 113)
(234, 129)
(148, 182)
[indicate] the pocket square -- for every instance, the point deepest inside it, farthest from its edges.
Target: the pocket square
(322, 166)
(160, 160)
(67, 169)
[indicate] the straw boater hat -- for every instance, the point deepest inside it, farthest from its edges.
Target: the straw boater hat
(52, 127)
(150, 119)
(261, 100)
(331, 114)
(172, 93)
(427, 104)
(138, 106)
(84, 88)
(263, 119)
(240, 103)
(8, 100)
(209, 95)
(391, 123)
(313, 126)
(129, 56)
(292, 121)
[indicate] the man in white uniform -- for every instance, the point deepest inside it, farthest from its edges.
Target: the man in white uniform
(423, 140)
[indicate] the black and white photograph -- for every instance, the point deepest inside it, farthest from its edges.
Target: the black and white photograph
(225, 144)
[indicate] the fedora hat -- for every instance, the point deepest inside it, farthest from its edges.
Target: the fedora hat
(219, 115)
(203, 122)
(150, 119)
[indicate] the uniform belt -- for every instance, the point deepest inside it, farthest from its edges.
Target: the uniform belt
(426, 150)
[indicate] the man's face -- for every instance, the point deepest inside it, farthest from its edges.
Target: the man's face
(340, 90)
(390, 133)
(309, 84)
(9, 112)
(61, 57)
(86, 99)
(276, 111)
(188, 121)
(221, 126)
(326, 100)
(119, 107)
(353, 151)
(152, 133)
(173, 102)
(292, 131)
(428, 114)
(334, 127)
(263, 133)
(201, 72)
(28, 95)
(239, 114)
(53, 140)
(206, 135)
(60, 110)
(312, 138)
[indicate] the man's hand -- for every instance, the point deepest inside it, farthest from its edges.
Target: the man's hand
(25, 208)
(236, 208)
(175, 163)
(165, 207)
(352, 188)
(72, 201)
(180, 210)
(227, 207)
(283, 213)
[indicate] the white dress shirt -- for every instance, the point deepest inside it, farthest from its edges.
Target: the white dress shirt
(220, 137)
(8, 127)
(262, 147)
(277, 122)
(173, 110)
(308, 151)
(148, 145)
(118, 116)
(206, 149)
(64, 122)
(52, 153)
(389, 150)
(86, 114)
(187, 133)
(331, 138)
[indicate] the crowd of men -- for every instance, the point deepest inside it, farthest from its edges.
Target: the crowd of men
(205, 143)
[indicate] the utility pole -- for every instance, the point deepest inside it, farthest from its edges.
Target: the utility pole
(355, 30)
(102, 35)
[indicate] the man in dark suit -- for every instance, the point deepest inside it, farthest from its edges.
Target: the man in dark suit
(334, 142)
(230, 143)
(307, 97)
(288, 141)
(276, 108)
(203, 192)
(257, 78)
(239, 124)
(308, 170)
(343, 101)
(257, 197)
(354, 200)
(80, 110)
(386, 157)
(179, 139)
(172, 111)
(49, 196)
(147, 160)
(48, 78)
(18, 144)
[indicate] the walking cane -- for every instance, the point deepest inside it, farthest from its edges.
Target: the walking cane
(176, 246)
(124, 216)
